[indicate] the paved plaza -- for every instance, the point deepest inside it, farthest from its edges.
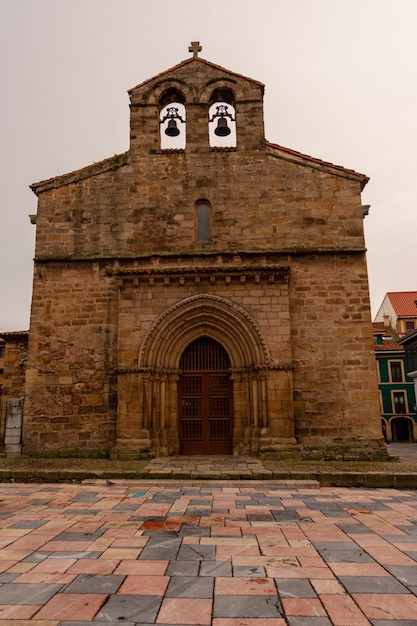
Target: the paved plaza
(239, 555)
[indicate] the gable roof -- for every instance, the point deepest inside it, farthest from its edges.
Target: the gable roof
(196, 60)
(299, 157)
(403, 303)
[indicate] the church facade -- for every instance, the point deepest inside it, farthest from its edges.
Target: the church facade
(205, 292)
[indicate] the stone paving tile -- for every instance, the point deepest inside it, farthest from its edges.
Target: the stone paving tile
(221, 555)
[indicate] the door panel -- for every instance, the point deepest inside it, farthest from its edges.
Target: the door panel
(205, 400)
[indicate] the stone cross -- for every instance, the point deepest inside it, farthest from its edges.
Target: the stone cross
(195, 48)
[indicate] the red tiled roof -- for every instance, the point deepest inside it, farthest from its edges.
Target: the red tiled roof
(403, 303)
(388, 344)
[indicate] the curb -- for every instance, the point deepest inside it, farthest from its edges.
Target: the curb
(316, 479)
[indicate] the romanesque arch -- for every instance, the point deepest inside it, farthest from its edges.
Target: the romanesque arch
(209, 315)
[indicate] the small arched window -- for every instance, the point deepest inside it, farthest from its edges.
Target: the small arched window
(222, 119)
(203, 220)
(172, 120)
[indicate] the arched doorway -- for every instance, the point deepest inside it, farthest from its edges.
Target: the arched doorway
(205, 399)
(401, 428)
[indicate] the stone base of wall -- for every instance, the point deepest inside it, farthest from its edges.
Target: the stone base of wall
(355, 451)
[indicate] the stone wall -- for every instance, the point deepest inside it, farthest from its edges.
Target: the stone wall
(122, 285)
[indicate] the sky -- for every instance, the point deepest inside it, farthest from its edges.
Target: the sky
(340, 85)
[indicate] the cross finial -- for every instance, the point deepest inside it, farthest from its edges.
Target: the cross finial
(195, 48)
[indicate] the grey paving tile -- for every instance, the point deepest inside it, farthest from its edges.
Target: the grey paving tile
(29, 523)
(193, 530)
(190, 587)
(407, 574)
(215, 568)
(369, 584)
(183, 568)
(285, 516)
(294, 588)
(133, 608)
(190, 552)
(7, 578)
(27, 593)
(95, 623)
(75, 555)
(95, 583)
(161, 549)
(247, 606)
(345, 556)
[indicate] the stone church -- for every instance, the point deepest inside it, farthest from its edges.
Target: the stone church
(204, 292)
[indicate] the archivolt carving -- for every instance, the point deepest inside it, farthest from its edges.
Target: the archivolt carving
(212, 316)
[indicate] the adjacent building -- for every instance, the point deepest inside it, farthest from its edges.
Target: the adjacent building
(399, 311)
(396, 387)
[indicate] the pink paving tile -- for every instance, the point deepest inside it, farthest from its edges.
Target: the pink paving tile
(17, 612)
(230, 550)
(303, 607)
(156, 568)
(8, 554)
(191, 540)
(248, 621)
(86, 527)
(288, 551)
(118, 533)
(358, 569)
(72, 606)
(389, 556)
(32, 541)
(312, 561)
(94, 566)
(66, 546)
(245, 586)
(318, 573)
(226, 532)
(185, 611)
(147, 585)
(5, 565)
(53, 566)
(130, 542)
(343, 611)
(327, 587)
(365, 540)
(387, 606)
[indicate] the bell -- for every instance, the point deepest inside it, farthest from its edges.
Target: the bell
(222, 129)
(172, 130)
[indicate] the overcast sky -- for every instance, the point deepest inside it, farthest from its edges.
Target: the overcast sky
(341, 85)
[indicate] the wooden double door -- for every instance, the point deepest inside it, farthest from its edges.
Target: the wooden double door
(205, 398)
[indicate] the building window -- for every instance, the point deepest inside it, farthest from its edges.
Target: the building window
(172, 120)
(396, 371)
(409, 326)
(203, 220)
(399, 402)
